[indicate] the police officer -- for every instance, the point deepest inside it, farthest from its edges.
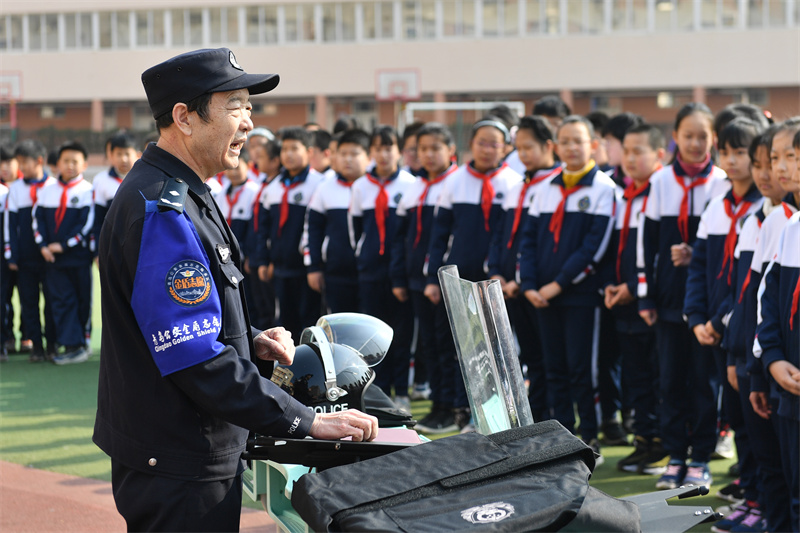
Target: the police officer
(182, 373)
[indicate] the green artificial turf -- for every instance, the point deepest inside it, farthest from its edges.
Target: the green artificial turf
(47, 415)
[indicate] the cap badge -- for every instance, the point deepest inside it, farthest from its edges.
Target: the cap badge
(234, 64)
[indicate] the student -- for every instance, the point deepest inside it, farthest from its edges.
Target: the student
(778, 336)
(267, 160)
(769, 502)
(21, 250)
(123, 154)
(468, 214)
(372, 214)
(553, 108)
(711, 283)
(565, 237)
(600, 156)
(63, 221)
(642, 151)
(535, 147)
(408, 148)
(236, 203)
(328, 254)
(256, 139)
(435, 148)
(319, 152)
(281, 216)
(613, 134)
(9, 172)
(678, 195)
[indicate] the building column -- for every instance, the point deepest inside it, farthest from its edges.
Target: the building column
(439, 115)
(321, 111)
(566, 95)
(96, 121)
(699, 94)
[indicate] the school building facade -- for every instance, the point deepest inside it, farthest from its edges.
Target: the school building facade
(76, 65)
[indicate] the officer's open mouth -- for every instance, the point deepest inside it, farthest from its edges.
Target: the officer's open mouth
(237, 145)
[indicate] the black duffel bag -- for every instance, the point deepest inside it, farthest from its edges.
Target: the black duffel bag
(534, 478)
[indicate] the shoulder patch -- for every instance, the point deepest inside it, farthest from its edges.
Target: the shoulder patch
(188, 283)
(173, 195)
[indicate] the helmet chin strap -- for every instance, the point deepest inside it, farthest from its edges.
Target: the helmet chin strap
(318, 337)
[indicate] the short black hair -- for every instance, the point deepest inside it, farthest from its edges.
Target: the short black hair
(791, 125)
(355, 136)
(551, 106)
(346, 122)
(121, 140)
(72, 146)
(505, 115)
(32, 148)
(320, 139)
(539, 127)
(618, 125)
(738, 133)
(295, 133)
(655, 138)
(762, 139)
(385, 135)
(199, 104)
(598, 120)
(577, 119)
(6, 151)
(732, 111)
(436, 129)
(273, 148)
(410, 131)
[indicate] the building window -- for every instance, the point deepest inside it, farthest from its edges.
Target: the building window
(459, 18)
(195, 24)
(410, 17)
(510, 18)
(123, 30)
(428, 19)
(78, 30)
(729, 15)
(224, 25)
(685, 15)
(330, 29)
(552, 12)
(533, 16)
(777, 14)
(35, 33)
(665, 9)
(48, 112)
(51, 31)
(299, 23)
(105, 29)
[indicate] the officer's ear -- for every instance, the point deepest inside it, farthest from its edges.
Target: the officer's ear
(181, 117)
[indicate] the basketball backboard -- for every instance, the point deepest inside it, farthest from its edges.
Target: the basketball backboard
(397, 85)
(10, 86)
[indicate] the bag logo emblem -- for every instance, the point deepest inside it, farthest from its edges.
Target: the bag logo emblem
(488, 513)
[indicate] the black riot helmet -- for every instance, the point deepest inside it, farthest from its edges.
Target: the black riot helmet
(331, 367)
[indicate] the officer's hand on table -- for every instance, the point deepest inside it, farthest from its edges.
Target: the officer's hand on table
(348, 423)
(275, 344)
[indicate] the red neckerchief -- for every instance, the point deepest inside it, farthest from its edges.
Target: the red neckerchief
(421, 203)
(381, 209)
(487, 190)
(525, 186)
(557, 220)
(34, 190)
(218, 177)
(630, 193)
(233, 201)
(683, 217)
(730, 240)
(793, 310)
(787, 210)
(342, 181)
(62, 205)
(284, 216)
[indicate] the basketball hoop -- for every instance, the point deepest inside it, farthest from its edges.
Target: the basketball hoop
(397, 85)
(10, 86)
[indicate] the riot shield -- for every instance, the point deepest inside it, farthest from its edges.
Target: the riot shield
(486, 352)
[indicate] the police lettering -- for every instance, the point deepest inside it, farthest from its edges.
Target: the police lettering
(189, 283)
(330, 408)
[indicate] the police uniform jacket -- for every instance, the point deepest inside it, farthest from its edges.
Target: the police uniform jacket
(178, 388)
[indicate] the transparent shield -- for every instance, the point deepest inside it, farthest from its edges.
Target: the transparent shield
(486, 352)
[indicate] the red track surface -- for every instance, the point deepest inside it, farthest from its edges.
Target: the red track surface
(39, 501)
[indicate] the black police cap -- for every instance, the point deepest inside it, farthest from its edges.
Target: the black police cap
(189, 75)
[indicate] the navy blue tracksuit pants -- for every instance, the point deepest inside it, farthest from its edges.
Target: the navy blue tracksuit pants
(297, 307)
(640, 377)
(689, 385)
(772, 491)
(31, 282)
(71, 302)
(571, 346)
(341, 296)
(376, 299)
(523, 317)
